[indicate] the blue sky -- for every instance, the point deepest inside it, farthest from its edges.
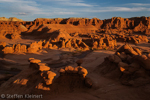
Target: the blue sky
(29, 10)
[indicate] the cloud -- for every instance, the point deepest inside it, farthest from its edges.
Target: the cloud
(138, 4)
(17, 6)
(77, 4)
(21, 13)
(70, 3)
(26, 7)
(115, 9)
(46, 8)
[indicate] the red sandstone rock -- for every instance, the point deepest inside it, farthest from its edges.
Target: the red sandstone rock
(69, 69)
(34, 47)
(46, 44)
(7, 50)
(48, 77)
(23, 48)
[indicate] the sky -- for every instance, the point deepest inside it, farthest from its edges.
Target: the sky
(29, 10)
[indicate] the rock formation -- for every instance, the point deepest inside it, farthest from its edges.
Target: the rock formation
(10, 19)
(128, 64)
(40, 77)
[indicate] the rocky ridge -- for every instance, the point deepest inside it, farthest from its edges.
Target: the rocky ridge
(128, 65)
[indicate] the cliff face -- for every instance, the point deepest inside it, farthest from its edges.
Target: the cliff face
(114, 22)
(11, 29)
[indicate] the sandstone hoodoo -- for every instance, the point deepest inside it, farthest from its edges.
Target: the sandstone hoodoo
(128, 64)
(41, 77)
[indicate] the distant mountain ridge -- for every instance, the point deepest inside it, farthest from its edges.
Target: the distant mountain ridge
(10, 19)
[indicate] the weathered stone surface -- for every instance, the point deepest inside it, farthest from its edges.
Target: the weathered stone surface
(34, 60)
(114, 58)
(48, 77)
(43, 68)
(46, 44)
(33, 48)
(23, 48)
(7, 50)
(88, 82)
(69, 69)
(83, 72)
(61, 71)
(17, 48)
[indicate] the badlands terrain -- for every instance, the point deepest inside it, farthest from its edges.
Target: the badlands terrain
(75, 59)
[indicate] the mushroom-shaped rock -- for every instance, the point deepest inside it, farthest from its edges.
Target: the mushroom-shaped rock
(83, 71)
(69, 69)
(79, 62)
(35, 61)
(48, 77)
(44, 68)
(30, 59)
(61, 71)
(41, 64)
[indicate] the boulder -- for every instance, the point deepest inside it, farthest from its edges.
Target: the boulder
(137, 50)
(79, 62)
(44, 68)
(114, 58)
(34, 60)
(83, 72)
(48, 77)
(123, 66)
(69, 69)
(7, 50)
(61, 71)
(88, 82)
(133, 67)
(127, 49)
